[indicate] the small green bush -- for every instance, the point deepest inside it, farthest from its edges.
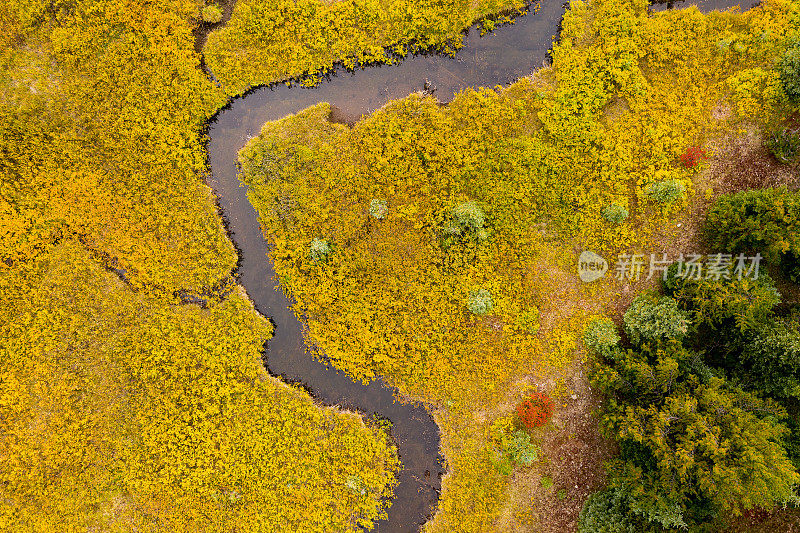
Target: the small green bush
(356, 485)
(520, 449)
(513, 447)
(319, 249)
(480, 302)
(651, 318)
(784, 145)
(601, 336)
(789, 70)
(615, 213)
(466, 218)
(605, 512)
(378, 208)
(665, 191)
(211, 14)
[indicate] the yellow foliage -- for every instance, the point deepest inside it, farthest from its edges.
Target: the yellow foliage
(120, 412)
(627, 94)
(267, 41)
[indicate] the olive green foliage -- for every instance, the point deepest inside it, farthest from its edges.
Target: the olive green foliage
(651, 318)
(784, 145)
(742, 302)
(211, 14)
(665, 191)
(378, 208)
(606, 511)
(695, 439)
(771, 355)
(615, 213)
(758, 349)
(601, 337)
(789, 68)
(765, 221)
(480, 302)
(319, 249)
(267, 40)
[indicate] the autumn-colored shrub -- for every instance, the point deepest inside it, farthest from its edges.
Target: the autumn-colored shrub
(211, 14)
(693, 156)
(535, 410)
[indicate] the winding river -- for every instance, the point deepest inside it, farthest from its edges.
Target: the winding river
(510, 52)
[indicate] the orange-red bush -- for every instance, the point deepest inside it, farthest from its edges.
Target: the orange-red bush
(692, 156)
(536, 410)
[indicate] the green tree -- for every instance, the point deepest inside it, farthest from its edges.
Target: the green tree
(606, 511)
(654, 318)
(769, 359)
(741, 302)
(766, 221)
(697, 439)
(601, 336)
(789, 69)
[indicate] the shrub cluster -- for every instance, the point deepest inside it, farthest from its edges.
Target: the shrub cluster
(692, 156)
(784, 145)
(535, 410)
(665, 191)
(511, 446)
(615, 213)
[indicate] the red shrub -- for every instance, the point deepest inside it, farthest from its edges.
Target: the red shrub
(692, 156)
(536, 410)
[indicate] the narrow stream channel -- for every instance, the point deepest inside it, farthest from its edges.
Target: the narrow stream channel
(510, 52)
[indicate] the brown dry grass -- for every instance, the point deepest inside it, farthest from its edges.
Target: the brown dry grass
(549, 498)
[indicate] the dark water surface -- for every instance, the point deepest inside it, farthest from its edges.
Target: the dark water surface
(510, 52)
